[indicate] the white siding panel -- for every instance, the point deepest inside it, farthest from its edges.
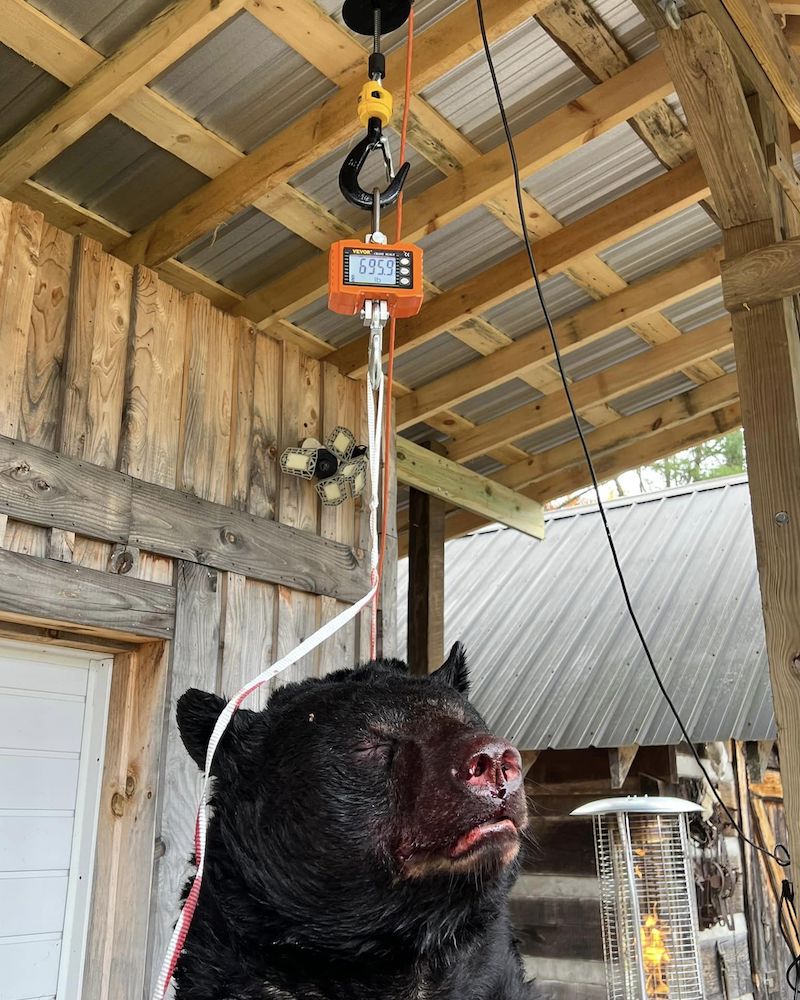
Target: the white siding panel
(34, 842)
(53, 706)
(22, 717)
(34, 782)
(29, 968)
(33, 904)
(28, 674)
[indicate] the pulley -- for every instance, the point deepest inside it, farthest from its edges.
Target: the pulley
(359, 15)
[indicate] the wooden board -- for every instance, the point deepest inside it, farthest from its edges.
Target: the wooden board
(116, 962)
(46, 590)
(424, 470)
(195, 663)
(51, 490)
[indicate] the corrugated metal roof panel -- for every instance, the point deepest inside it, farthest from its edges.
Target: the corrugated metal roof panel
(726, 360)
(320, 181)
(423, 432)
(494, 403)
(603, 353)
(554, 659)
(247, 251)
(26, 92)
(552, 437)
(471, 244)
(698, 309)
(243, 83)
(679, 236)
(119, 174)
(535, 76)
(628, 26)
(439, 356)
(523, 313)
(484, 465)
(103, 24)
(653, 393)
(338, 330)
(594, 174)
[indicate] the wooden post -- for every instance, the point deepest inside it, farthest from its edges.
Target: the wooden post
(425, 581)
(754, 214)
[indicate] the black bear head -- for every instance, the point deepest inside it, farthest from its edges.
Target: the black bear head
(363, 812)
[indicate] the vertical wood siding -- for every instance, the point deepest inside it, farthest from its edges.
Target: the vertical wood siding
(107, 363)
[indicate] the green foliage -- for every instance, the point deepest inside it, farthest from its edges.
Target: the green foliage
(722, 456)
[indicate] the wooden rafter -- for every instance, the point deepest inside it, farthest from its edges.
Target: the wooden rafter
(622, 433)
(723, 391)
(447, 43)
(760, 30)
(432, 473)
(640, 452)
(152, 49)
(44, 42)
(583, 35)
(534, 349)
(654, 364)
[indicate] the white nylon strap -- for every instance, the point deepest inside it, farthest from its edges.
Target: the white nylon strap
(374, 424)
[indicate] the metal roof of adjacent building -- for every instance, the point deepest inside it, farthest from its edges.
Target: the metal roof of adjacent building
(554, 658)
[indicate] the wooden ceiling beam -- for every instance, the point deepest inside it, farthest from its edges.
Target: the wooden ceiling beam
(763, 35)
(704, 399)
(313, 34)
(576, 27)
(444, 45)
(622, 433)
(644, 451)
(424, 470)
(45, 43)
(633, 212)
(533, 349)
(150, 51)
(762, 275)
(656, 363)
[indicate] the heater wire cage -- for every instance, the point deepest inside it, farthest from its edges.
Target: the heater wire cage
(647, 907)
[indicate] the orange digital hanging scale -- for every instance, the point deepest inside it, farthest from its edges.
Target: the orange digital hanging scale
(358, 272)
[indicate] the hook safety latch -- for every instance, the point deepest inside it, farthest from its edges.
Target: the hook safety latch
(348, 176)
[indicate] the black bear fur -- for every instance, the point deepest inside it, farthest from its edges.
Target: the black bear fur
(327, 870)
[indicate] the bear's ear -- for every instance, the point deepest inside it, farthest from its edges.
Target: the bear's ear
(197, 713)
(454, 671)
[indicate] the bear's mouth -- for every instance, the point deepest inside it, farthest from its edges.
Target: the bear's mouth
(491, 844)
(493, 833)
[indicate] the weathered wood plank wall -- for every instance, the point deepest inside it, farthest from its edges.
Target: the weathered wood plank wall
(109, 365)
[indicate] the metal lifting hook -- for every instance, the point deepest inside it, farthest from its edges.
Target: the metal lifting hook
(348, 176)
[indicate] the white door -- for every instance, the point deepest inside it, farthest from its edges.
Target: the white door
(53, 709)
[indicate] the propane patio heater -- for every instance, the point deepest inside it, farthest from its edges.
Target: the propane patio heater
(647, 898)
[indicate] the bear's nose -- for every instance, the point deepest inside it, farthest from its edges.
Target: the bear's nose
(494, 767)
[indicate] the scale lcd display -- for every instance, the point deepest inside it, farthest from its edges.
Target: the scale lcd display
(372, 269)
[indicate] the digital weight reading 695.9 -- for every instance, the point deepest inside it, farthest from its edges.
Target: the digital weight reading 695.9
(372, 269)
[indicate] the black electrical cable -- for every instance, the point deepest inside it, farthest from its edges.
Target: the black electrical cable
(780, 854)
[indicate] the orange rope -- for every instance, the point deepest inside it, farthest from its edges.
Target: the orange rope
(387, 438)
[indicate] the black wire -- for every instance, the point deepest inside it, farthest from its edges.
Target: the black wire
(781, 854)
